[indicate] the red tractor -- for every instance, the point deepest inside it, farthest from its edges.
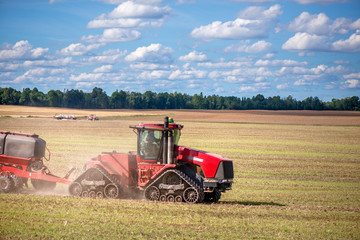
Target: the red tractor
(161, 170)
(21, 158)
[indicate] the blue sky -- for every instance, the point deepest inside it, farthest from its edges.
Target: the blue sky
(238, 48)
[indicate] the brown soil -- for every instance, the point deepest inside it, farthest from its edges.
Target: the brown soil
(236, 116)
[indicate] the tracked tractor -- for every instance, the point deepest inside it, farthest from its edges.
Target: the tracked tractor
(161, 170)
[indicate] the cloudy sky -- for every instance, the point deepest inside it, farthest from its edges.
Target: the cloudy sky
(225, 47)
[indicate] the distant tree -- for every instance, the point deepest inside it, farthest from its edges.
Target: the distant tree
(74, 99)
(25, 97)
(55, 98)
(38, 98)
(98, 99)
(118, 100)
(9, 96)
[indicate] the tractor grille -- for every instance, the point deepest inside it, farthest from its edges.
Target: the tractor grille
(225, 170)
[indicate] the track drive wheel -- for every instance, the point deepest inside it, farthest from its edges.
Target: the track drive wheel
(111, 191)
(75, 189)
(191, 195)
(42, 185)
(6, 184)
(152, 193)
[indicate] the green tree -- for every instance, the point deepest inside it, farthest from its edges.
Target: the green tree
(9, 96)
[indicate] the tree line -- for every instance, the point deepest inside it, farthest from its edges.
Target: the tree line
(98, 99)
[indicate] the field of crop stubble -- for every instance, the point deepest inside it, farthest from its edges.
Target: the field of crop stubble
(297, 176)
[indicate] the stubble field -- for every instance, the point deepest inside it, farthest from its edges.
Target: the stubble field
(297, 176)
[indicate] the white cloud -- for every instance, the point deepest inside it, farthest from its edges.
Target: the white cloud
(352, 75)
(257, 87)
(104, 22)
(224, 65)
(312, 42)
(155, 53)
(131, 14)
(103, 69)
(194, 56)
(48, 62)
(78, 49)
(21, 50)
(188, 74)
(352, 44)
(282, 86)
(244, 27)
(113, 35)
(258, 47)
(40, 74)
(7, 66)
(321, 24)
(134, 10)
(86, 77)
(279, 63)
(111, 56)
(306, 41)
(257, 12)
(351, 83)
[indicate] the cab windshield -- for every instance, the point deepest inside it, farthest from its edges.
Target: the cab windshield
(150, 144)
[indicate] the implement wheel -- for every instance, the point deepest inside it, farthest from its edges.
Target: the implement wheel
(6, 184)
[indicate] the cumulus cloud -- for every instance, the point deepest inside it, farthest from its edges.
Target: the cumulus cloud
(78, 49)
(312, 42)
(351, 83)
(113, 35)
(155, 53)
(21, 50)
(225, 65)
(321, 24)
(352, 44)
(306, 41)
(103, 69)
(246, 26)
(135, 10)
(86, 77)
(39, 74)
(258, 12)
(132, 15)
(243, 46)
(110, 56)
(194, 56)
(48, 62)
(279, 63)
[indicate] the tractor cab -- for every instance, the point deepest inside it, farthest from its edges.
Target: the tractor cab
(155, 142)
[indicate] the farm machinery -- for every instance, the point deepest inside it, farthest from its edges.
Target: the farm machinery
(22, 157)
(160, 169)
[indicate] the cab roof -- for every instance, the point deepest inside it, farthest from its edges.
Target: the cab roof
(157, 126)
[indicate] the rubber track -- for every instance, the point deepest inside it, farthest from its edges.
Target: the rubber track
(109, 177)
(186, 178)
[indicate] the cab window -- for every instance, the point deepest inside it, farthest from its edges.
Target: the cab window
(150, 144)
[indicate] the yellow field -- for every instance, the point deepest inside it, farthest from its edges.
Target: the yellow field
(297, 176)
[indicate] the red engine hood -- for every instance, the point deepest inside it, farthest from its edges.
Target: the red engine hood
(209, 162)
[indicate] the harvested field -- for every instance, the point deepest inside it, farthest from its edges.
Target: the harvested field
(246, 116)
(297, 176)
